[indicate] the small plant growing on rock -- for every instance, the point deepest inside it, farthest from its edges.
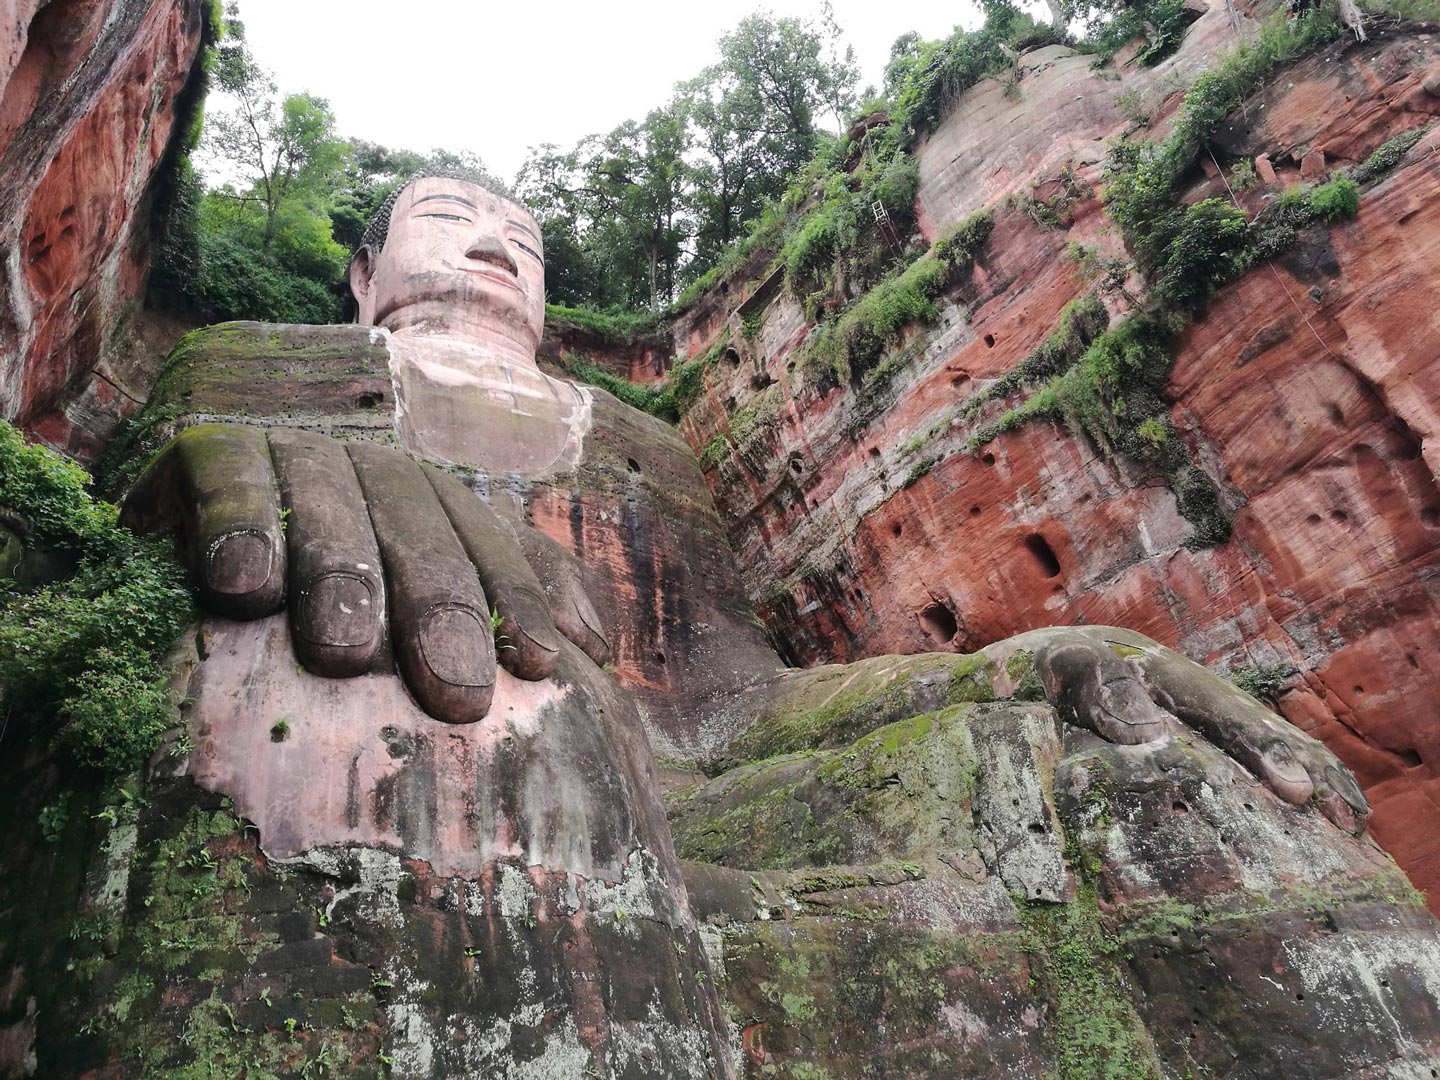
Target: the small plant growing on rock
(1263, 682)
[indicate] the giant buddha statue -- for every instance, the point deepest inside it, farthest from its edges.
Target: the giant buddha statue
(454, 608)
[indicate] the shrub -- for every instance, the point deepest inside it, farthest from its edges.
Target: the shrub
(241, 282)
(1080, 321)
(611, 327)
(87, 653)
(1386, 156)
(1207, 248)
(1339, 198)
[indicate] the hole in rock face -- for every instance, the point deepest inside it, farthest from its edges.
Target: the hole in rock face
(1430, 517)
(1409, 758)
(1179, 807)
(1036, 828)
(632, 465)
(896, 529)
(797, 464)
(989, 341)
(987, 458)
(369, 401)
(790, 368)
(938, 622)
(659, 657)
(1339, 515)
(974, 511)
(1043, 554)
(1359, 689)
(1410, 659)
(732, 357)
(1336, 416)
(875, 452)
(1313, 519)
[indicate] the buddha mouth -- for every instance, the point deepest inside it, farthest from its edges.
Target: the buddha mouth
(494, 275)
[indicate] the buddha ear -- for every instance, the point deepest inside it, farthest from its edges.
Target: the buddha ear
(362, 272)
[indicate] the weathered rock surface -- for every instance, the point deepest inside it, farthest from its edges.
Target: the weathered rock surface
(940, 878)
(1308, 392)
(88, 102)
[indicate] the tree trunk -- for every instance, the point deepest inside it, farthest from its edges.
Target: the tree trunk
(1350, 15)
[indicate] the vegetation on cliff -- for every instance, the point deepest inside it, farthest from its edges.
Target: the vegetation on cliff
(85, 652)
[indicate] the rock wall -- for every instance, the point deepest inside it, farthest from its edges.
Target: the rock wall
(1308, 393)
(88, 103)
(978, 890)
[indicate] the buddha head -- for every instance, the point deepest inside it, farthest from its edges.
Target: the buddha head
(450, 256)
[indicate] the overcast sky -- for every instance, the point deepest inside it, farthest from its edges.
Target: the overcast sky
(497, 78)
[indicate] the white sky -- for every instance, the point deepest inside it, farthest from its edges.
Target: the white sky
(497, 78)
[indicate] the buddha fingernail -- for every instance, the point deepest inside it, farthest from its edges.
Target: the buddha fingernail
(239, 563)
(337, 609)
(532, 619)
(456, 646)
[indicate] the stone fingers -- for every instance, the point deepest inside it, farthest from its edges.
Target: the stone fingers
(1094, 688)
(1340, 798)
(526, 641)
(231, 519)
(337, 595)
(439, 616)
(1292, 764)
(565, 596)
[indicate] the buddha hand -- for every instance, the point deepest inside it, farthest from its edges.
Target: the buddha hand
(1129, 689)
(362, 538)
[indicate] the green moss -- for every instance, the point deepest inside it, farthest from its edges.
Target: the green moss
(758, 418)
(1020, 668)
(1093, 1031)
(715, 452)
(838, 721)
(970, 680)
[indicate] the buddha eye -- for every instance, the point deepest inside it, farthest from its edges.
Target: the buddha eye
(447, 217)
(529, 251)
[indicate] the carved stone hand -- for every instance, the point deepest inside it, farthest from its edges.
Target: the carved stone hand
(1129, 689)
(366, 543)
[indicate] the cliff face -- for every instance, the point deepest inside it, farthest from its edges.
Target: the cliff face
(1307, 393)
(88, 94)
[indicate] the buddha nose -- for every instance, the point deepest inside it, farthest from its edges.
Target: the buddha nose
(487, 247)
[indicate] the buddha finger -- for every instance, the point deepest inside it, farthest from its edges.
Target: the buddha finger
(231, 519)
(337, 596)
(565, 597)
(438, 613)
(526, 641)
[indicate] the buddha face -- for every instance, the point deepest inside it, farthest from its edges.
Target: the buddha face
(456, 257)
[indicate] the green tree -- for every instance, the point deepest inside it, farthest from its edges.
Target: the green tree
(736, 166)
(781, 64)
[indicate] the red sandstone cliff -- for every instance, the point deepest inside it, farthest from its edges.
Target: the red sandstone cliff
(88, 95)
(1308, 393)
